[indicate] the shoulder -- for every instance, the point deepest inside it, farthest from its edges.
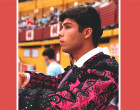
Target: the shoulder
(102, 62)
(57, 65)
(60, 67)
(108, 63)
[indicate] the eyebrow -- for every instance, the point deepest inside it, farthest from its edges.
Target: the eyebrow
(67, 23)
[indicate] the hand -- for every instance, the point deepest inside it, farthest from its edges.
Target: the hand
(20, 80)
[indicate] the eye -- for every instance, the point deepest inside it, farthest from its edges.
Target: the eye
(67, 27)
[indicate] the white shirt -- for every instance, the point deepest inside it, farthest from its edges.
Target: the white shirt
(54, 69)
(89, 54)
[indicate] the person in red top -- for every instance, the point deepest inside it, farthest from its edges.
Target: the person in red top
(90, 84)
(29, 22)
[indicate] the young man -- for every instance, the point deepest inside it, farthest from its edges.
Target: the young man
(53, 67)
(90, 84)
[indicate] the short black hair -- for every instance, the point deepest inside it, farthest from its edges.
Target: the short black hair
(85, 16)
(49, 52)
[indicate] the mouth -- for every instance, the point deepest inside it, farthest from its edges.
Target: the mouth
(61, 42)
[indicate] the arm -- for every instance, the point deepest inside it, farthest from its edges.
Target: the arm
(34, 80)
(93, 93)
(44, 81)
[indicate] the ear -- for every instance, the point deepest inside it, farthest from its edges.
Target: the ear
(87, 33)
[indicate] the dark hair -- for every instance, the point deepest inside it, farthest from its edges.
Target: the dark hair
(49, 52)
(85, 16)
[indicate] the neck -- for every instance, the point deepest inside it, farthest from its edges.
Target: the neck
(78, 54)
(51, 60)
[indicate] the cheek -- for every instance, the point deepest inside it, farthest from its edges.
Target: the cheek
(75, 42)
(72, 37)
(72, 33)
(69, 36)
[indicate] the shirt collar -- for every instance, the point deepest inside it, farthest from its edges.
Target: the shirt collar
(87, 56)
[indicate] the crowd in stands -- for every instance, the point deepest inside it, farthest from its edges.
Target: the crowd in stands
(27, 24)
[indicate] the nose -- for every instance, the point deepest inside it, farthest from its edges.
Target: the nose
(60, 34)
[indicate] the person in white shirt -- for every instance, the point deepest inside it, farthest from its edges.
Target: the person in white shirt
(90, 84)
(53, 68)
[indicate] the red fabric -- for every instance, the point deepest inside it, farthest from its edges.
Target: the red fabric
(30, 22)
(111, 107)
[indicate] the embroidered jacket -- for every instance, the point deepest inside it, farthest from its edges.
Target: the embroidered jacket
(90, 87)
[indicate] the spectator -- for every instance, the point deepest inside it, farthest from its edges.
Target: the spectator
(52, 16)
(56, 12)
(27, 16)
(23, 18)
(44, 20)
(29, 21)
(53, 67)
(26, 23)
(54, 21)
(23, 23)
(48, 23)
(35, 20)
(29, 24)
(39, 24)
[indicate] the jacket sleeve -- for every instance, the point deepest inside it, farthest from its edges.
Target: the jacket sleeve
(44, 81)
(91, 94)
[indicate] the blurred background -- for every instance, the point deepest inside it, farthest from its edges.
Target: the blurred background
(38, 28)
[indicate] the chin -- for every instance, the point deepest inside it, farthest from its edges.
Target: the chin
(65, 50)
